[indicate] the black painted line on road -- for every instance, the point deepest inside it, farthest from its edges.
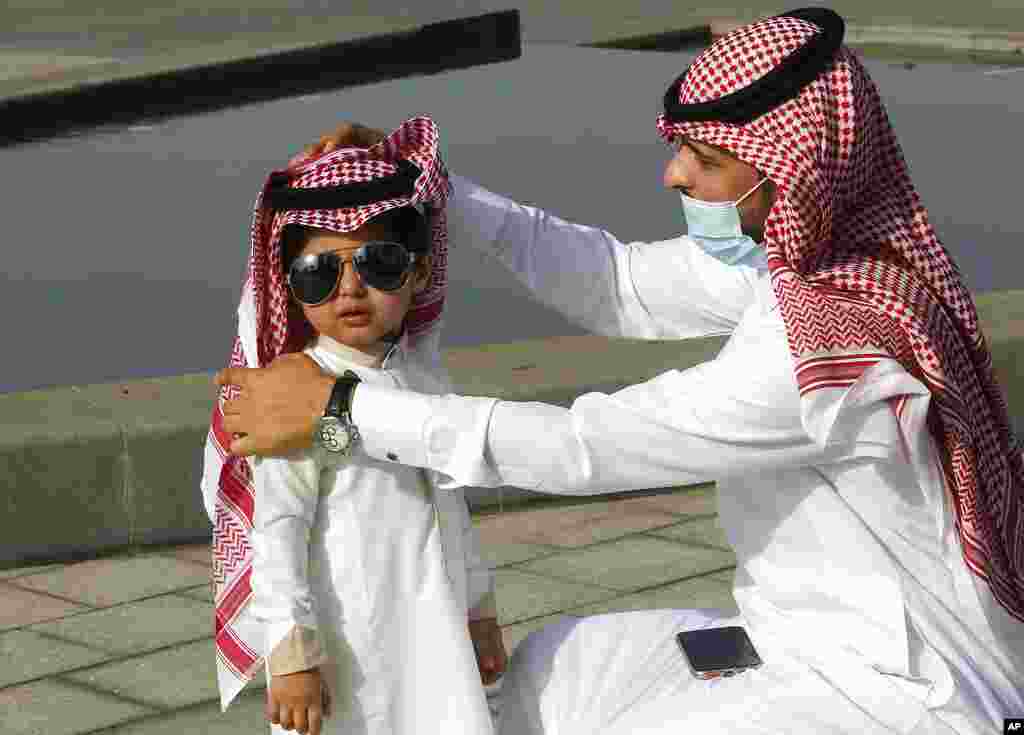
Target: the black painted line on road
(430, 49)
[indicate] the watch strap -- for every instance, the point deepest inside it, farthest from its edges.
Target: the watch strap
(340, 402)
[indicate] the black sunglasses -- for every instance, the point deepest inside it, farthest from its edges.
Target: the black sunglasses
(380, 264)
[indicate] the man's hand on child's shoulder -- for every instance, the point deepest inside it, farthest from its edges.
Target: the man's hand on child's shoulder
(347, 134)
(298, 701)
(278, 407)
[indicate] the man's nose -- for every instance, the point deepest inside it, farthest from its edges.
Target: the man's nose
(676, 175)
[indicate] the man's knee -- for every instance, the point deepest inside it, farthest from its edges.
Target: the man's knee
(544, 643)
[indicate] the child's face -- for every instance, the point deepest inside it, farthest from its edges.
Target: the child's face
(377, 313)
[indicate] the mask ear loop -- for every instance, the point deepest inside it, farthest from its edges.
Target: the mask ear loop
(737, 202)
(763, 179)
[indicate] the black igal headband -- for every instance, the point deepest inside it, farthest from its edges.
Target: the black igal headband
(782, 83)
(280, 196)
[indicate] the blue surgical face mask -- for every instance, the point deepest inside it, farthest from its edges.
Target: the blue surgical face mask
(716, 228)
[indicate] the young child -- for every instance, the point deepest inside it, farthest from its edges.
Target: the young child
(363, 572)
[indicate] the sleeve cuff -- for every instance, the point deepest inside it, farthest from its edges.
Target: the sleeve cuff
(443, 433)
(391, 423)
(486, 608)
(300, 649)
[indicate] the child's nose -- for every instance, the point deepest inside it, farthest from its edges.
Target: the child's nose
(351, 283)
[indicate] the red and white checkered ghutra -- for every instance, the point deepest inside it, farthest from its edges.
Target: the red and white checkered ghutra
(267, 329)
(860, 275)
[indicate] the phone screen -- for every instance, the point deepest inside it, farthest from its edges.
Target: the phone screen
(718, 649)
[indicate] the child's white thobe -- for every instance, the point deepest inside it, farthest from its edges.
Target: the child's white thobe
(363, 567)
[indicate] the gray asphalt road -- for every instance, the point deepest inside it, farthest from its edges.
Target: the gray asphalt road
(131, 28)
(124, 251)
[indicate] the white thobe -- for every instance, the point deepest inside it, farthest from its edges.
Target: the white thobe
(850, 576)
(378, 570)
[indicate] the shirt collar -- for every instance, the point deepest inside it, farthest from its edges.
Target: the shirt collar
(398, 350)
(382, 354)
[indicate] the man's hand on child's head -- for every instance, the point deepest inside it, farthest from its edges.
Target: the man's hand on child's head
(279, 405)
(491, 657)
(298, 701)
(346, 135)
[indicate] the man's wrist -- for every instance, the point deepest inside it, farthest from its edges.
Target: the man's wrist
(336, 433)
(322, 394)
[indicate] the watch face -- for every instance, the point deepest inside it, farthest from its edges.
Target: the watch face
(334, 436)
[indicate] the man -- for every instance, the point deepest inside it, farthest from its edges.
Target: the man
(867, 476)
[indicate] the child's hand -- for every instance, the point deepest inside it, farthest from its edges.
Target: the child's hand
(298, 701)
(491, 658)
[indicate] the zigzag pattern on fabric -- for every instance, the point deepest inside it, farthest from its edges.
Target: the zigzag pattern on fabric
(857, 269)
(265, 297)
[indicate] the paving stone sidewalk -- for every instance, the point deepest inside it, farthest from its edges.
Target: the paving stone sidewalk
(123, 644)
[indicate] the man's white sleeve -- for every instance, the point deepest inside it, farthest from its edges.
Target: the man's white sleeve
(660, 290)
(738, 414)
(287, 493)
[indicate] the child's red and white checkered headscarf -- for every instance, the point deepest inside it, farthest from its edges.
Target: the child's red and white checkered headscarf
(860, 275)
(267, 328)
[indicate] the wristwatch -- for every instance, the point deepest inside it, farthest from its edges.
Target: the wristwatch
(336, 434)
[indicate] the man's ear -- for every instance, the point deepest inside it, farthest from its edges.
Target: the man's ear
(421, 273)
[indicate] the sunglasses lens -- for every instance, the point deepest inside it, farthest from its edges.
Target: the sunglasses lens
(313, 278)
(382, 265)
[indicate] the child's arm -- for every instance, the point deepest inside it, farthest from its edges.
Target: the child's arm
(491, 656)
(286, 499)
(479, 575)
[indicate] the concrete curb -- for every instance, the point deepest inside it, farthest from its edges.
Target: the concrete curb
(98, 467)
(429, 49)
